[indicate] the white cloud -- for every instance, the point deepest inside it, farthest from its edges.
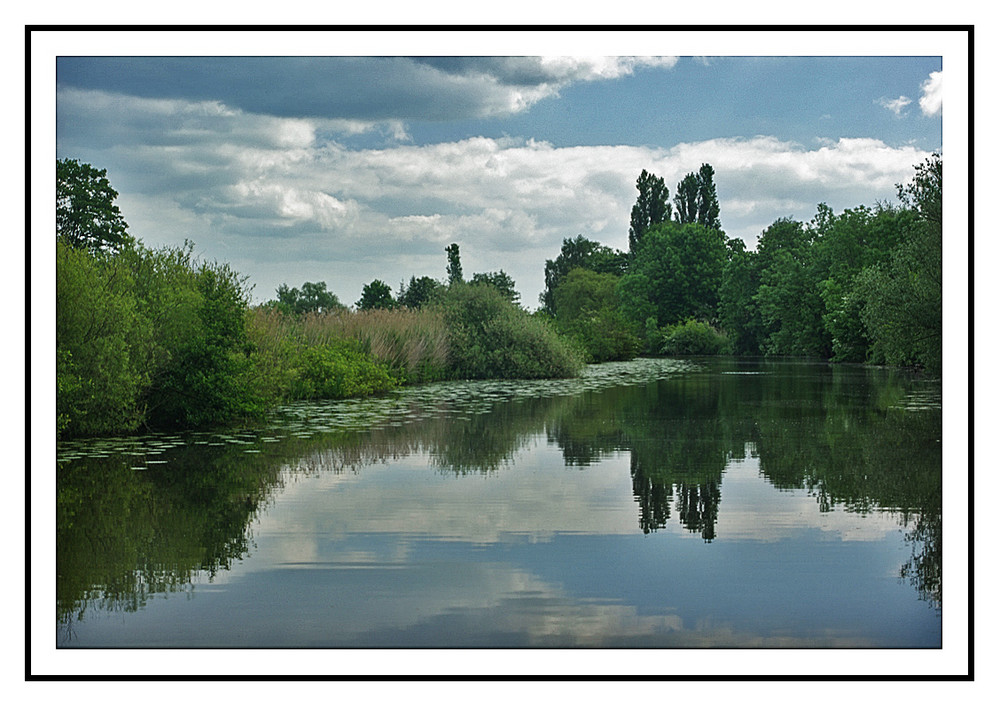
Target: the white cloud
(282, 204)
(896, 105)
(933, 94)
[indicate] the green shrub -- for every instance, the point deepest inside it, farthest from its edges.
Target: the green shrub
(207, 375)
(693, 339)
(489, 337)
(339, 370)
(587, 311)
(100, 377)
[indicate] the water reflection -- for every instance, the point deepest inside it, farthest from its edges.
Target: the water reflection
(148, 516)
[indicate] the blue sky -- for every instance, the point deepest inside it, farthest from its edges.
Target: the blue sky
(348, 169)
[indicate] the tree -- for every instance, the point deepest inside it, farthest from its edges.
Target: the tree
(789, 298)
(738, 313)
(579, 252)
(923, 193)
(651, 208)
(686, 199)
(500, 281)
(586, 309)
(419, 292)
(454, 264)
(708, 201)
(902, 297)
(844, 245)
(680, 266)
(376, 295)
(488, 337)
(86, 215)
(100, 374)
(696, 199)
(313, 297)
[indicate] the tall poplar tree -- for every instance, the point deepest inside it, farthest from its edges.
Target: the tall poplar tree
(708, 201)
(651, 208)
(454, 264)
(696, 199)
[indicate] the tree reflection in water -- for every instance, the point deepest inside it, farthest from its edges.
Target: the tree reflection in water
(139, 517)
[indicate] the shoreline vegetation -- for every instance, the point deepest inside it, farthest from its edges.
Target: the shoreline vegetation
(155, 339)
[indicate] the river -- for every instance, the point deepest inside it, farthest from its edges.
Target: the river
(712, 502)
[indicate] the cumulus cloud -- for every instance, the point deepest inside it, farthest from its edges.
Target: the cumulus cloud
(933, 94)
(283, 203)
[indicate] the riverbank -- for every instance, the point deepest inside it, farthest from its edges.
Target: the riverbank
(154, 340)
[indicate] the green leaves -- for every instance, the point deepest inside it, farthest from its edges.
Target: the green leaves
(489, 337)
(376, 295)
(652, 207)
(313, 297)
(587, 310)
(86, 215)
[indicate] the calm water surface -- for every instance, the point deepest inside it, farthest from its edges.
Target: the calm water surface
(669, 503)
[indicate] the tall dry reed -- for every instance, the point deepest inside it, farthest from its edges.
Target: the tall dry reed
(413, 342)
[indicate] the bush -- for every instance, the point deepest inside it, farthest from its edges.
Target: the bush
(207, 374)
(489, 337)
(587, 311)
(100, 374)
(693, 339)
(339, 370)
(150, 338)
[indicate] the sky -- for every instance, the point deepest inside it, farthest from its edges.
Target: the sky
(347, 169)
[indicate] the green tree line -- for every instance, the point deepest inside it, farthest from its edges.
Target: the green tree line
(156, 338)
(860, 286)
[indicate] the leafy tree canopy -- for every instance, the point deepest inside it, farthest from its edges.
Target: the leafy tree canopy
(86, 215)
(376, 295)
(923, 193)
(313, 297)
(651, 208)
(454, 264)
(680, 266)
(696, 199)
(579, 252)
(499, 280)
(418, 292)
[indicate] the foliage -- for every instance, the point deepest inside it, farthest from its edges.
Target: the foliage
(902, 303)
(696, 199)
(739, 315)
(208, 376)
(489, 337)
(419, 292)
(587, 311)
(902, 297)
(675, 275)
(376, 295)
(150, 337)
(500, 281)
(579, 252)
(339, 370)
(789, 299)
(923, 193)
(86, 215)
(313, 297)
(693, 338)
(454, 264)
(100, 374)
(652, 207)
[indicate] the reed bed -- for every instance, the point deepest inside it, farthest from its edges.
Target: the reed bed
(412, 342)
